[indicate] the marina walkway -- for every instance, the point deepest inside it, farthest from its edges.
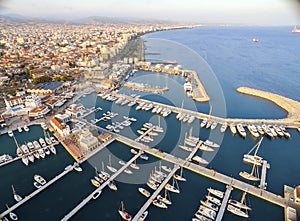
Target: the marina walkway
(224, 203)
(212, 174)
(155, 194)
(263, 184)
(89, 197)
(144, 134)
(30, 196)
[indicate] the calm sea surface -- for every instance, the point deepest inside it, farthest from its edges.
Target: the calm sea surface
(225, 58)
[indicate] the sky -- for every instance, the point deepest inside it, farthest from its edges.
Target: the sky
(249, 12)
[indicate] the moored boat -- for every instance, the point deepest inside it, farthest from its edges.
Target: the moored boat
(215, 192)
(144, 192)
(237, 211)
(123, 213)
(200, 160)
(39, 179)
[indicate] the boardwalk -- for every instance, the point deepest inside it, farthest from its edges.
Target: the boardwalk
(89, 197)
(30, 196)
(155, 194)
(224, 203)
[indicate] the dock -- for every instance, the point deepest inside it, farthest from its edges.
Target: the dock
(155, 194)
(224, 203)
(211, 174)
(30, 196)
(10, 161)
(144, 134)
(263, 184)
(100, 188)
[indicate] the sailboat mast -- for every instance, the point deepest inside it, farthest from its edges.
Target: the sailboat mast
(258, 145)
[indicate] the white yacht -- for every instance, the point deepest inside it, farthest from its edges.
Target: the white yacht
(26, 128)
(109, 166)
(223, 127)
(200, 160)
(209, 205)
(204, 122)
(214, 124)
(20, 130)
(237, 211)
(232, 129)
(39, 179)
(215, 192)
(144, 192)
(211, 144)
(10, 133)
(214, 200)
(211, 214)
(160, 204)
(42, 142)
(241, 130)
(204, 147)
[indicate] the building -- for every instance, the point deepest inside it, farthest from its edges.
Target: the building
(13, 102)
(32, 101)
(38, 112)
(105, 137)
(46, 88)
(87, 141)
(297, 194)
(62, 128)
(74, 110)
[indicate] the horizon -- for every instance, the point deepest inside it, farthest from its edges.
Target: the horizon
(231, 12)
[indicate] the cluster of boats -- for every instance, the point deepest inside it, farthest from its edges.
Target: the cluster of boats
(148, 131)
(36, 149)
(117, 126)
(255, 131)
(208, 209)
(185, 118)
(25, 128)
(106, 116)
(239, 208)
(5, 158)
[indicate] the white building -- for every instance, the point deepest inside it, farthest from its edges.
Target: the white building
(87, 141)
(32, 101)
(60, 127)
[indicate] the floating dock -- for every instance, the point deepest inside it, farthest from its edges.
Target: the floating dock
(224, 203)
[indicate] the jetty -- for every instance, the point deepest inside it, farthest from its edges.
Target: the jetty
(224, 203)
(30, 196)
(89, 197)
(265, 165)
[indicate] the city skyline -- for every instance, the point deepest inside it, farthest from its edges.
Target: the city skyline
(267, 12)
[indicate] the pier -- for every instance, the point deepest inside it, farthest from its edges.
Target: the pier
(224, 203)
(144, 134)
(30, 196)
(263, 184)
(155, 194)
(212, 174)
(89, 197)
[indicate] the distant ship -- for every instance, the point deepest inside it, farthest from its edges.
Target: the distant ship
(255, 40)
(295, 30)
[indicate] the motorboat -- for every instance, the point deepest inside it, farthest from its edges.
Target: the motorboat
(144, 192)
(48, 141)
(133, 151)
(215, 192)
(253, 131)
(10, 133)
(209, 213)
(200, 160)
(241, 130)
(213, 125)
(39, 179)
(211, 144)
(166, 168)
(20, 130)
(203, 123)
(42, 142)
(26, 129)
(37, 185)
(144, 157)
(204, 147)
(95, 182)
(232, 129)
(223, 127)
(143, 216)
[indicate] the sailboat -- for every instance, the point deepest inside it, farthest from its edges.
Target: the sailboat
(134, 166)
(112, 185)
(123, 213)
(164, 199)
(253, 176)
(172, 187)
(109, 167)
(240, 204)
(160, 204)
(179, 177)
(17, 197)
(254, 159)
(104, 175)
(295, 30)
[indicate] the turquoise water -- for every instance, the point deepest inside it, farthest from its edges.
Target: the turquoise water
(235, 61)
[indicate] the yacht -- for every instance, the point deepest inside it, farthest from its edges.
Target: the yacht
(152, 185)
(144, 157)
(209, 205)
(254, 159)
(211, 214)
(213, 125)
(48, 141)
(172, 188)
(53, 140)
(241, 130)
(144, 192)
(17, 197)
(240, 204)
(179, 176)
(123, 213)
(143, 216)
(204, 147)
(215, 192)
(237, 211)
(95, 183)
(42, 142)
(208, 124)
(133, 151)
(253, 131)
(39, 179)
(232, 129)
(200, 160)
(30, 157)
(203, 123)
(223, 127)
(164, 199)
(10, 133)
(47, 151)
(96, 194)
(4, 158)
(112, 185)
(25, 160)
(109, 166)
(77, 167)
(26, 128)
(52, 149)
(41, 153)
(20, 130)
(159, 204)
(214, 200)
(211, 144)
(166, 168)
